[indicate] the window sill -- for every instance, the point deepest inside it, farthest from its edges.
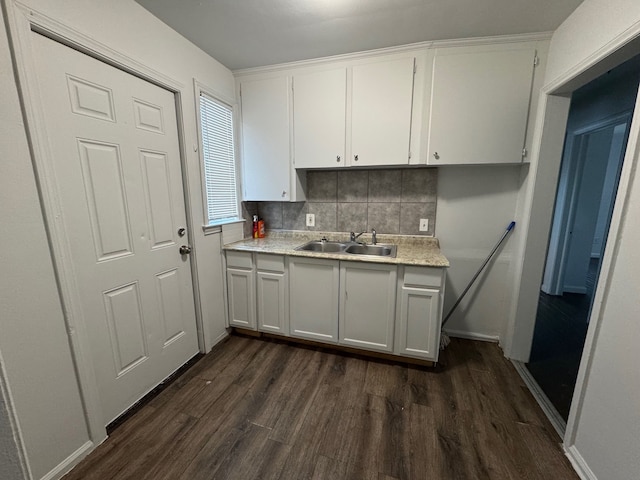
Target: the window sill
(217, 227)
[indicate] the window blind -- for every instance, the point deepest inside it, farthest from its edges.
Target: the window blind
(216, 120)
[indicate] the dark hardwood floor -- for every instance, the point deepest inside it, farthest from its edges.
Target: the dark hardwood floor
(263, 409)
(558, 341)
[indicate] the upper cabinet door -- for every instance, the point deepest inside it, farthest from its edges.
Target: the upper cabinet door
(480, 104)
(319, 116)
(381, 100)
(265, 139)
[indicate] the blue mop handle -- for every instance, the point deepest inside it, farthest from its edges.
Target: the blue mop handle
(504, 235)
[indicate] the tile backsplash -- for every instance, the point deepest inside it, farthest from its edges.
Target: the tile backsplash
(391, 201)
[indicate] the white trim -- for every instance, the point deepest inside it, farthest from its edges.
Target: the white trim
(541, 398)
(472, 335)
(458, 42)
(200, 88)
(20, 33)
(22, 23)
(629, 170)
(579, 464)
(581, 289)
(60, 32)
(71, 461)
(613, 53)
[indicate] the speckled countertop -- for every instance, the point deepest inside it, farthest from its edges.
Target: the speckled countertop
(412, 249)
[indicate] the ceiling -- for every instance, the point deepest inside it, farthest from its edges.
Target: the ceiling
(251, 33)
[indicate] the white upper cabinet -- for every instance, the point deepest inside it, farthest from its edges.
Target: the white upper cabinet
(319, 117)
(266, 150)
(354, 115)
(382, 94)
(480, 101)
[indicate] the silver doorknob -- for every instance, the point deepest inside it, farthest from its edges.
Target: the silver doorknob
(185, 250)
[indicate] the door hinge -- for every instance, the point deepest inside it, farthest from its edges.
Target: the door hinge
(415, 66)
(524, 153)
(536, 60)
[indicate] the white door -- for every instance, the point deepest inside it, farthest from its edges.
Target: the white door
(113, 143)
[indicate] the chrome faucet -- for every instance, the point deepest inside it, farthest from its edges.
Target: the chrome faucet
(353, 237)
(374, 239)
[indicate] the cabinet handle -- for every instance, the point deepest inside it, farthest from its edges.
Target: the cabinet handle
(284, 193)
(436, 156)
(355, 157)
(337, 158)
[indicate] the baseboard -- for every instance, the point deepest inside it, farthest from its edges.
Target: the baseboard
(220, 337)
(574, 289)
(472, 335)
(579, 465)
(71, 461)
(547, 407)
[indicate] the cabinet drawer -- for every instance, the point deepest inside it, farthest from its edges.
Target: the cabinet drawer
(423, 277)
(271, 263)
(240, 260)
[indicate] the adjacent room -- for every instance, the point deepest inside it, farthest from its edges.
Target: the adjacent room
(324, 239)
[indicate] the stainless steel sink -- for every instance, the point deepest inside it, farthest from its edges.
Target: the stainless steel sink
(323, 246)
(349, 248)
(377, 250)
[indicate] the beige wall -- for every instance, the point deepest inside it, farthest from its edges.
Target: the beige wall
(34, 341)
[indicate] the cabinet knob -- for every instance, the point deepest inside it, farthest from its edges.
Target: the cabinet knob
(436, 156)
(355, 157)
(284, 193)
(338, 158)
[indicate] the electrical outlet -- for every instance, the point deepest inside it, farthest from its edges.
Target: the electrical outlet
(424, 224)
(311, 220)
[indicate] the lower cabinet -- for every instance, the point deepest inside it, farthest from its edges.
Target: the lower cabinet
(387, 308)
(241, 290)
(313, 299)
(367, 305)
(419, 312)
(273, 294)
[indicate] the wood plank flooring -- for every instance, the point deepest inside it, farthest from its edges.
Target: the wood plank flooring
(264, 409)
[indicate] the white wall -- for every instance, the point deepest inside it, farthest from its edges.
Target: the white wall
(34, 341)
(475, 206)
(608, 426)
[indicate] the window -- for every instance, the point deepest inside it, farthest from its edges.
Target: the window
(218, 153)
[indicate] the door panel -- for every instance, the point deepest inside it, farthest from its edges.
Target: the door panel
(113, 144)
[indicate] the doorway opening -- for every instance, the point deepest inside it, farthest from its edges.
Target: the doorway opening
(595, 144)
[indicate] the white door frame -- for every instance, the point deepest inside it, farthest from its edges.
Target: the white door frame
(23, 21)
(538, 210)
(553, 283)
